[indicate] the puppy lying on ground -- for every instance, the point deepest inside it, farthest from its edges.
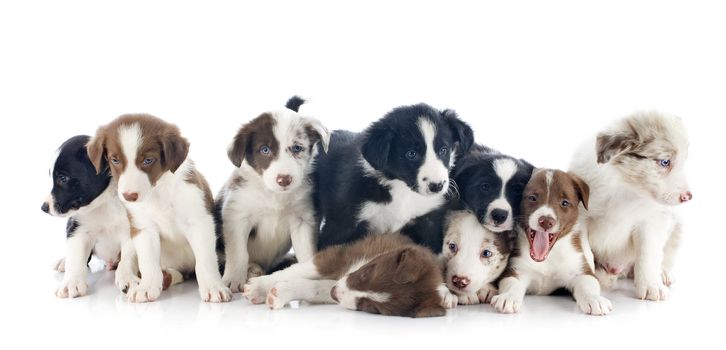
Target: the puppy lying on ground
(382, 274)
(558, 255)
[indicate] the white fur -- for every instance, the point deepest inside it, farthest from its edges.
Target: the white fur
(545, 210)
(432, 170)
(348, 298)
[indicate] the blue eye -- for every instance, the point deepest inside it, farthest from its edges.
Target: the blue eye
(148, 161)
(297, 149)
(265, 150)
(443, 151)
(115, 161)
(411, 155)
(486, 253)
(665, 163)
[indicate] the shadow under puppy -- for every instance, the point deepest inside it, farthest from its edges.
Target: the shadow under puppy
(552, 249)
(382, 274)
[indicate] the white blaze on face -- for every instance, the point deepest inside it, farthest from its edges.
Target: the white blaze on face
(467, 261)
(504, 168)
(287, 132)
(432, 170)
(348, 298)
(132, 180)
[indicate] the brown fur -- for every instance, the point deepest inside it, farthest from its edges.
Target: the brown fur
(197, 179)
(250, 139)
(134, 230)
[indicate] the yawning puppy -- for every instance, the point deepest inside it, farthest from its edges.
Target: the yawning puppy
(636, 169)
(552, 250)
(475, 258)
(382, 274)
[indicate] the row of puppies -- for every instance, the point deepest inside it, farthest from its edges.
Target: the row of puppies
(384, 180)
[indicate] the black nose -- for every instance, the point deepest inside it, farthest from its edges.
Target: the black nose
(499, 216)
(436, 187)
(45, 207)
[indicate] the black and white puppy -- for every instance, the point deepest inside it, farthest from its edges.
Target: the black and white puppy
(395, 171)
(490, 185)
(97, 221)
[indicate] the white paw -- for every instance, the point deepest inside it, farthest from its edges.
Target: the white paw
(595, 305)
(60, 266)
(144, 292)
(668, 278)
(257, 288)
(507, 303)
(72, 288)
(279, 295)
(651, 291)
(217, 293)
(124, 281)
(486, 294)
(254, 270)
(468, 299)
(235, 284)
(448, 299)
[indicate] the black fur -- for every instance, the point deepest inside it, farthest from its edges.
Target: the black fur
(342, 186)
(294, 103)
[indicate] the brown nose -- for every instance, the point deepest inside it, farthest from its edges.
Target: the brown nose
(131, 196)
(284, 180)
(332, 294)
(460, 282)
(546, 222)
(686, 196)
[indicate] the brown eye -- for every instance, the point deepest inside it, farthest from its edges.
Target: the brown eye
(115, 161)
(565, 203)
(453, 248)
(532, 198)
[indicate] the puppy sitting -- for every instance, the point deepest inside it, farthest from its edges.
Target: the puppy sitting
(475, 257)
(97, 221)
(383, 274)
(558, 253)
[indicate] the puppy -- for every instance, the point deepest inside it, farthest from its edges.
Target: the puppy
(490, 185)
(475, 258)
(169, 204)
(551, 251)
(266, 206)
(636, 169)
(97, 221)
(393, 172)
(381, 274)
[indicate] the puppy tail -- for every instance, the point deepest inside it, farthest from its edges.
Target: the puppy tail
(294, 103)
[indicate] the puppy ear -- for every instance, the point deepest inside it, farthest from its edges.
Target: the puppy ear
(583, 190)
(429, 310)
(376, 146)
(612, 143)
(237, 150)
(96, 148)
(175, 149)
(463, 134)
(366, 305)
(317, 132)
(407, 270)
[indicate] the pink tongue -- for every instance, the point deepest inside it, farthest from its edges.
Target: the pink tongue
(540, 245)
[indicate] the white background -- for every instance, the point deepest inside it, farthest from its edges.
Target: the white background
(532, 78)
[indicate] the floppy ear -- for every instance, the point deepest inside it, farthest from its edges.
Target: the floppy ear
(366, 305)
(429, 310)
(237, 150)
(583, 190)
(376, 146)
(96, 149)
(463, 134)
(175, 149)
(528, 167)
(407, 270)
(610, 144)
(317, 132)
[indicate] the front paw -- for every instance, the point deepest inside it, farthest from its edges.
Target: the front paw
(279, 295)
(486, 294)
(595, 305)
(144, 292)
(668, 278)
(651, 291)
(507, 303)
(124, 281)
(448, 299)
(235, 284)
(215, 293)
(257, 288)
(72, 287)
(60, 266)
(254, 270)
(468, 299)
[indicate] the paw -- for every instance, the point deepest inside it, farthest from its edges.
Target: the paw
(651, 291)
(507, 303)
(72, 288)
(60, 266)
(144, 292)
(215, 293)
(468, 299)
(668, 278)
(448, 299)
(278, 296)
(257, 288)
(254, 270)
(595, 305)
(486, 294)
(124, 281)
(234, 284)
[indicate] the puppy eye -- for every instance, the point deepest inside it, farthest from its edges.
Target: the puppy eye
(297, 149)
(532, 198)
(452, 247)
(411, 155)
(115, 161)
(565, 203)
(148, 161)
(484, 187)
(664, 163)
(63, 179)
(486, 253)
(443, 151)
(265, 150)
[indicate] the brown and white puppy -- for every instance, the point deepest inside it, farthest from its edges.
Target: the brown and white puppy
(636, 172)
(551, 251)
(383, 274)
(169, 203)
(475, 257)
(266, 206)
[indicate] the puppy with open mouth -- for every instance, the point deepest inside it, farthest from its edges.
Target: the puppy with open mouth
(552, 249)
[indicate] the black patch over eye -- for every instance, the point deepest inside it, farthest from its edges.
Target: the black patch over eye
(485, 186)
(411, 155)
(63, 179)
(443, 151)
